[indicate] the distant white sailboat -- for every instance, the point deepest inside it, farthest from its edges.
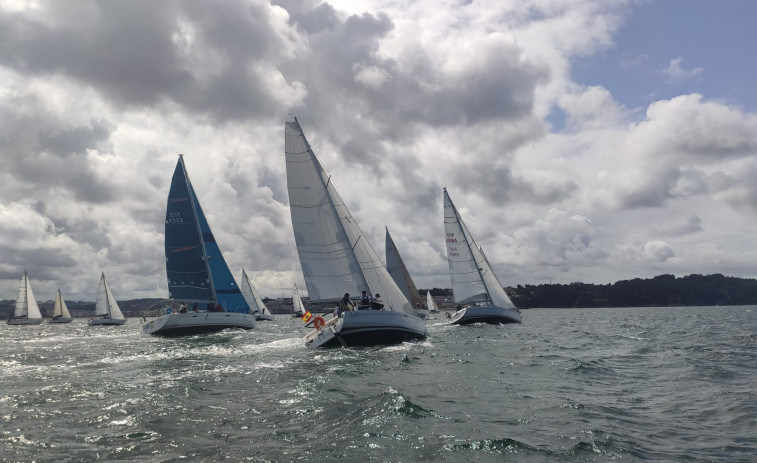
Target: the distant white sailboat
(337, 260)
(107, 311)
(27, 311)
(397, 269)
(297, 304)
(60, 311)
(474, 284)
(197, 273)
(432, 307)
(257, 306)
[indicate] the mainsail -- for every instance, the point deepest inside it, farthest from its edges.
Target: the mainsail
(196, 270)
(334, 255)
(430, 304)
(106, 304)
(26, 304)
(396, 268)
(473, 280)
(251, 296)
(297, 305)
(59, 309)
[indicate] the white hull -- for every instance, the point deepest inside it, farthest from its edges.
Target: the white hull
(182, 324)
(367, 328)
(263, 316)
(24, 321)
(60, 320)
(107, 321)
(487, 314)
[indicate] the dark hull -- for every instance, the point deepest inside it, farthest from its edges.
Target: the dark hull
(492, 315)
(187, 324)
(190, 330)
(368, 328)
(375, 337)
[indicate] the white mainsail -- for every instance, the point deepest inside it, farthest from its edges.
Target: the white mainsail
(106, 303)
(473, 280)
(26, 304)
(430, 304)
(297, 305)
(60, 309)
(334, 255)
(251, 296)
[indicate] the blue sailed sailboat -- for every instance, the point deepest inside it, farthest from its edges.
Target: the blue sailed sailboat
(198, 277)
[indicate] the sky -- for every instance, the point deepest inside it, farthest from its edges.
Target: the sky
(581, 141)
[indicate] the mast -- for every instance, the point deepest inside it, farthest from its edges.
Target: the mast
(332, 205)
(468, 240)
(205, 259)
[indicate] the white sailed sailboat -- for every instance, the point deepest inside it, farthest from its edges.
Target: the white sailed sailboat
(257, 306)
(297, 305)
(337, 260)
(476, 288)
(396, 268)
(60, 311)
(432, 308)
(27, 311)
(107, 311)
(197, 274)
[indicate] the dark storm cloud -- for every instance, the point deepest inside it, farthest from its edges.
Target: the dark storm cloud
(42, 152)
(45, 261)
(70, 140)
(115, 46)
(498, 184)
(200, 55)
(310, 16)
(403, 93)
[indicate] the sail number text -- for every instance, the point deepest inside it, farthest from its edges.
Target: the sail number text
(174, 217)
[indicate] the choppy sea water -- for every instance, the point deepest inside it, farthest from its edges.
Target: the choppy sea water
(637, 384)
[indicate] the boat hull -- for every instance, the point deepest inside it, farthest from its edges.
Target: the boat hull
(263, 317)
(185, 324)
(60, 320)
(24, 321)
(368, 328)
(487, 314)
(107, 321)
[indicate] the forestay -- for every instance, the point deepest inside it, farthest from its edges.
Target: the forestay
(334, 255)
(473, 280)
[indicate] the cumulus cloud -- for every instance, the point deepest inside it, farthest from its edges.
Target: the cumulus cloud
(675, 71)
(398, 100)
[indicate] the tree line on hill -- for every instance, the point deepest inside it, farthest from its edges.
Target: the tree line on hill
(662, 290)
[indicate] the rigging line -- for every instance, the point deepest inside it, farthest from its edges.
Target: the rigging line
(275, 253)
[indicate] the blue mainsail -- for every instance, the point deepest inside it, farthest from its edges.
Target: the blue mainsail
(196, 270)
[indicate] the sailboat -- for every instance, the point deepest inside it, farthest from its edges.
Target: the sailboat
(27, 311)
(257, 306)
(478, 292)
(430, 304)
(396, 268)
(107, 311)
(337, 260)
(198, 276)
(297, 305)
(60, 311)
